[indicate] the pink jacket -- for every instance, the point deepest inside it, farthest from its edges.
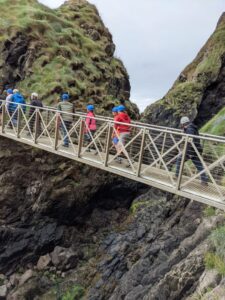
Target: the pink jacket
(90, 121)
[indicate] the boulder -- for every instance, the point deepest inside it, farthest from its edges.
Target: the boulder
(64, 258)
(3, 292)
(208, 280)
(43, 262)
(25, 277)
(14, 279)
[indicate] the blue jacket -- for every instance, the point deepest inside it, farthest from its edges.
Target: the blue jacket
(17, 99)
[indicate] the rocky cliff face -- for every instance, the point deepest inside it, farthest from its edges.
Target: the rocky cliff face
(68, 49)
(199, 90)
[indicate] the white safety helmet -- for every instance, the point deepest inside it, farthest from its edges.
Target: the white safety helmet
(184, 120)
(34, 96)
(15, 91)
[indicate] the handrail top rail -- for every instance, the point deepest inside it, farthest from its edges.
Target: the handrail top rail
(178, 132)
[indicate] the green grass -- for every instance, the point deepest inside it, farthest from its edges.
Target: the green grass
(213, 261)
(216, 258)
(136, 205)
(186, 94)
(209, 211)
(61, 39)
(216, 125)
(75, 293)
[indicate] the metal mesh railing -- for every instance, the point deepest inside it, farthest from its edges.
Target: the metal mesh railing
(186, 165)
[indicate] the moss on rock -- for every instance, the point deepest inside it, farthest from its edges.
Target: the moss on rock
(199, 90)
(67, 49)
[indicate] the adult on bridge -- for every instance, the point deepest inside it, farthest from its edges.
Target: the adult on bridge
(155, 154)
(191, 129)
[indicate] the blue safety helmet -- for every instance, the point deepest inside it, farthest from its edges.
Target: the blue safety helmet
(115, 109)
(9, 91)
(121, 108)
(90, 107)
(65, 97)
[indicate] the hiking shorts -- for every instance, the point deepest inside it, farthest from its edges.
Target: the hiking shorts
(124, 136)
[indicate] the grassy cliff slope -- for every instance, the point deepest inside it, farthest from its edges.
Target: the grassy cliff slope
(68, 49)
(199, 91)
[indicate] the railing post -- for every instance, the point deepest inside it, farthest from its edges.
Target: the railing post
(48, 116)
(18, 120)
(37, 126)
(141, 152)
(163, 148)
(3, 117)
(81, 137)
(56, 131)
(182, 163)
(108, 144)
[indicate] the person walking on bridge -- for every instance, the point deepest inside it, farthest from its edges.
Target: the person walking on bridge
(191, 129)
(35, 103)
(115, 138)
(67, 109)
(90, 128)
(90, 122)
(122, 130)
(17, 99)
(8, 99)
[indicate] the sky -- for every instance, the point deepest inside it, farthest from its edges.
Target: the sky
(156, 39)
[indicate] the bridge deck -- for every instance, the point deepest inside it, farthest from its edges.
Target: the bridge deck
(153, 176)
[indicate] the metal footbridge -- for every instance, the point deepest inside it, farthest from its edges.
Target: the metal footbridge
(148, 155)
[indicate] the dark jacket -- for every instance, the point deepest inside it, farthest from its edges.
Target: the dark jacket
(193, 130)
(35, 103)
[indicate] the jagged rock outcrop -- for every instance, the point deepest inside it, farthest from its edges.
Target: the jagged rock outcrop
(199, 91)
(152, 251)
(68, 49)
(41, 195)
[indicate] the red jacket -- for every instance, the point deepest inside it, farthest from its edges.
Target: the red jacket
(90, 121)
(122, 118)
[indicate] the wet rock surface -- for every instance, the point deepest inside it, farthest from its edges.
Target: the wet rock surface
(60, 228)
(42, 195)
(159, 256)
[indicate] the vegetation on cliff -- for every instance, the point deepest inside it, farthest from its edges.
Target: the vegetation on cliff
(68, 49)
(216, 257)
(199, 90)
(216, 125)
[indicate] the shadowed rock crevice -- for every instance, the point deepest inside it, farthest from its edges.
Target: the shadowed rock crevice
(213, 99)
(18, 56)
(43, 194)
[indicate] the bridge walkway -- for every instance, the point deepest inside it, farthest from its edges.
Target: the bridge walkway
(148, 156)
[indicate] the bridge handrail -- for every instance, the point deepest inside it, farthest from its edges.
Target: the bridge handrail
(149, 125)
(135, 124)
(205, 137)
(155, 154)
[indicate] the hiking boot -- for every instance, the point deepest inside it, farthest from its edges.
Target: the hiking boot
(118, 160)
(128, 165)
(204, 183)
(66, 145)
(175, 177)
